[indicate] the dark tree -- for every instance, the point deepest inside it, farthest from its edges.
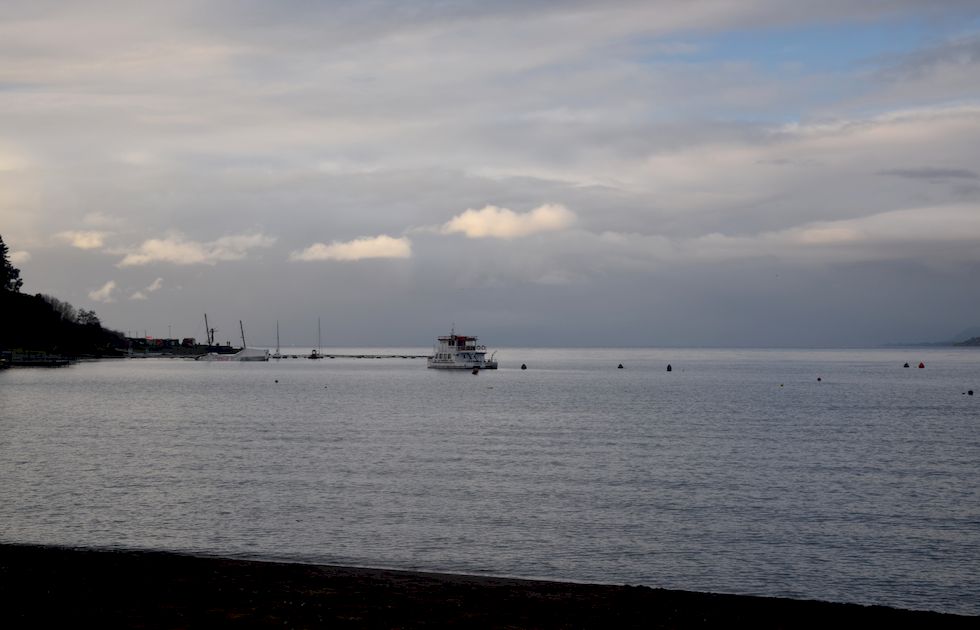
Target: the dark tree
(88, 318)
(9, 275)
(66, 310)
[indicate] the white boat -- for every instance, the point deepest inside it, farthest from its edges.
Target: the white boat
(245, 354)
(460, 352)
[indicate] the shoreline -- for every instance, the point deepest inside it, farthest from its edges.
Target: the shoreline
(41, 585)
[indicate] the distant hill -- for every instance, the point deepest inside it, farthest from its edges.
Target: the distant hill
(969, 334)
(966, 337)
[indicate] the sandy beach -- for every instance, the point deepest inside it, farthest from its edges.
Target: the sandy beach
(40, 586)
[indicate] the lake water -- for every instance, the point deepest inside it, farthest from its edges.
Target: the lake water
(737, 472)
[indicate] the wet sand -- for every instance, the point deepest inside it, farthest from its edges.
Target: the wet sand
(42, 586)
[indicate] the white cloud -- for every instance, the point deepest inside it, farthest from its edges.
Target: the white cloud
(142, 293)
(84, 239)
(20, 257)
(176, 250)
(382, 246)
(103, 294)
(494, 222)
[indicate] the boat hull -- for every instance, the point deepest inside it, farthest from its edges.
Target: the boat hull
(461, 365)
(246, 354)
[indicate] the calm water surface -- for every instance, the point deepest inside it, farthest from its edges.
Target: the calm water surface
(736, 472)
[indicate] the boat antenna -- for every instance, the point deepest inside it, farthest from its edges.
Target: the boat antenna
(240, 325)
(277, 337)
(318, 335)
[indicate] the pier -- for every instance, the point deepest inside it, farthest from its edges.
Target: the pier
(350, 356)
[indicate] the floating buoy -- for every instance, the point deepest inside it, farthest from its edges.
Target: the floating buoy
(277, 380)
(620, 366)
(669, 368)
(819, 379)
(922, 365)
(476, 370)
(969, 392)
(906, 365)
(523, 366)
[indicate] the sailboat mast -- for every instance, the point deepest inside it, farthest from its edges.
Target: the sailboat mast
(243, 333)
(277, 337)
(318, 335)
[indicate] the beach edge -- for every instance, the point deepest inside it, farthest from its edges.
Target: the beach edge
(40, 585)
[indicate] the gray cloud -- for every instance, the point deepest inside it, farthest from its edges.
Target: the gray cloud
(187, 134)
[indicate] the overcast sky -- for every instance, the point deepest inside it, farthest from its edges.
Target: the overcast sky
(662, 173)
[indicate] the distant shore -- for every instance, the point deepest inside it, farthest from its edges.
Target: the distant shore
(40, 586)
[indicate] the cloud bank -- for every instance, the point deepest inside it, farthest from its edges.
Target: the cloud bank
(686, 151)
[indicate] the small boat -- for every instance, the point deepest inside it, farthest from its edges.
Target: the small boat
(460, 352)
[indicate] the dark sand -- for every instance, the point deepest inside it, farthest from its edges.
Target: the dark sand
(44, 586)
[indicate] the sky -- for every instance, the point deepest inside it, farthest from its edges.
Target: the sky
(657, 173)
